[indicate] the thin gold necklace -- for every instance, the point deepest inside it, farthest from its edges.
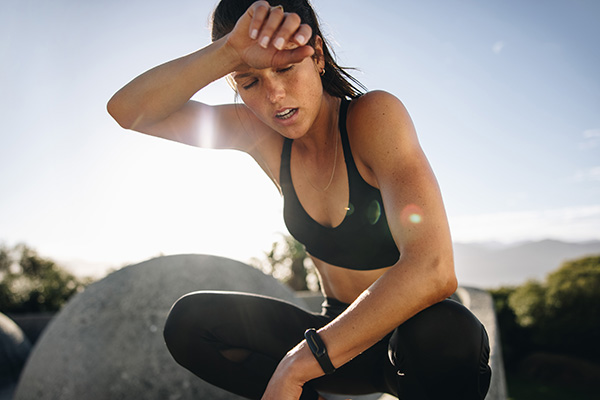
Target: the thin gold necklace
(332, 171)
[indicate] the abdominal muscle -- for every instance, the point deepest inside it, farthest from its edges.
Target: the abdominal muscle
(344, 284)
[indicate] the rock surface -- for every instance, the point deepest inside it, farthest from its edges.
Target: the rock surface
(107, 342)
(14, 350)
(481, 304)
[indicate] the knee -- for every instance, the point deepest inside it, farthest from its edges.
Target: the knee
(445, 342)
(181, 326)
(444, 337)
(446, 330)
(174, 326)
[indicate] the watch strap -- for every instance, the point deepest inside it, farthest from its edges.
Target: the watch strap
(319, 351)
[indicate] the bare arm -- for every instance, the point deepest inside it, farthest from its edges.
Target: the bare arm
(158, 101)
(424, 275)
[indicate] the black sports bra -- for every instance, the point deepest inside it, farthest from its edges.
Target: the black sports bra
(363, 240)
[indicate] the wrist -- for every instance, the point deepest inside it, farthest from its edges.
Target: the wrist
(232, 58)
(300, 364)
(319, 350)
(223, 57)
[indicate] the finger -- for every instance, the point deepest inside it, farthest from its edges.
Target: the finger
(259, 11)
(289, 26)
(270, 26)
(303, 35)
(300, 38)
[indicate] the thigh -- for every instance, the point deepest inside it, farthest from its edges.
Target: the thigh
(235, 340)
(442, 352)
(240, 320)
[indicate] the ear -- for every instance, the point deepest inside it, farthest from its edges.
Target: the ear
(319, 56)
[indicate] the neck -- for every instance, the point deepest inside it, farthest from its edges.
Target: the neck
(319, 139)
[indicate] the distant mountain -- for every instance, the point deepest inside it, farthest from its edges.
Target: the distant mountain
(490, 265)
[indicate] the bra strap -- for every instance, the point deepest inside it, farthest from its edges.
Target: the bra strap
(350, 165)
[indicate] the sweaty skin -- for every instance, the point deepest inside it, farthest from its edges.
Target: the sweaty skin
(284, 98)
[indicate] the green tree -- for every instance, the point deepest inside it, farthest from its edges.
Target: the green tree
(515, 339)
(528, 303)
(31, 283)
(572, 308)
(558, 315)
(288, 262)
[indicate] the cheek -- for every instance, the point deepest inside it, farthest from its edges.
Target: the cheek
(255, 106)
(307, 87)
(252, 101)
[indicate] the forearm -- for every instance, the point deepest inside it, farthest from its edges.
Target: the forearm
(406, 289)
(159, 92)
(402, 292)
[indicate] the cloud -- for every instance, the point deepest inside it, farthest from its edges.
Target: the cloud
(498, 46)
(590, 174)
(591, 139)
(591, 133)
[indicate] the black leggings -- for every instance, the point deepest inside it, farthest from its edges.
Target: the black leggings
(235, 341)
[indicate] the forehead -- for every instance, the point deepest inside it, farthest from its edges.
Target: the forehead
(244, 72)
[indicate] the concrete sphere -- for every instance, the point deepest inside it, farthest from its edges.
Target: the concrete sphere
(107, 342)
(14, 350)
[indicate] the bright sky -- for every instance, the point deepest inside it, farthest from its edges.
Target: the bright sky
(505, 96)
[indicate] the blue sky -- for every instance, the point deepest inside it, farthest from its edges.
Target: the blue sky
(505, 96)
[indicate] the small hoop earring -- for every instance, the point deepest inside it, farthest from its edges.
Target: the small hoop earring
(322, 72)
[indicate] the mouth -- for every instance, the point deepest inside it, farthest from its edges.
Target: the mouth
(287, 113)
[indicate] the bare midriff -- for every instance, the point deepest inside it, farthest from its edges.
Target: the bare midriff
(345, 284)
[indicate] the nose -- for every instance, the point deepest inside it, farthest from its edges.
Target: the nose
(275, 90)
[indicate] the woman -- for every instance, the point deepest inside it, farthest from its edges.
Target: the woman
(359, 194)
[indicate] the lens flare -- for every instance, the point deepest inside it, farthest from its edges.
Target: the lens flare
(412, 214)
(415, 218)
(206, 130)
(373, 212)
(350, 209)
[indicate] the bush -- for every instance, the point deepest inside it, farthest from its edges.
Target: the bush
(515, 339)
(559, 315)
(571, 322)
(288, 262)
(30, 283)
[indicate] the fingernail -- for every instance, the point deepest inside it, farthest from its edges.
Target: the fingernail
(254, 34)
(300, 39)
(264, 42)
(279, 43)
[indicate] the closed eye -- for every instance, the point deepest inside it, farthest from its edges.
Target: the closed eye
(249, 85)
(286, 69)
(255, 81)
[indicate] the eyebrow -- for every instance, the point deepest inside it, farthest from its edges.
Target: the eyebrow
(242, 76)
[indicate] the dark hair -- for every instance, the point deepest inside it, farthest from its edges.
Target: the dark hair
(336, 81)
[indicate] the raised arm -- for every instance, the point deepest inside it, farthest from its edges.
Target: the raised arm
(158, 101)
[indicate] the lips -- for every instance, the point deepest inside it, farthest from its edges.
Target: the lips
(286, 113)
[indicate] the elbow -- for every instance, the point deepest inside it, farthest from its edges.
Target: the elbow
(444, 277)
(118, 112)
(450, 286)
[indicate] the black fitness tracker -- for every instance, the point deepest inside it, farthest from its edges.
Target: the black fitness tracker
(316, 345)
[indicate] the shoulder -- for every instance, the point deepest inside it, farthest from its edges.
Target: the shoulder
(378, 107)
(380, 129)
